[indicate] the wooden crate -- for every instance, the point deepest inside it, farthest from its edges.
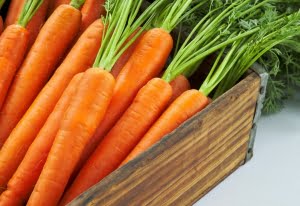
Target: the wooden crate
(190, 161)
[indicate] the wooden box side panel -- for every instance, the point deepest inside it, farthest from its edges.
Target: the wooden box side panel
(186, 164)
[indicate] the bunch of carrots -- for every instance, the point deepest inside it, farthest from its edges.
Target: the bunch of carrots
(88, 85)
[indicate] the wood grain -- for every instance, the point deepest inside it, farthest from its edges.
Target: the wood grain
(190, 161)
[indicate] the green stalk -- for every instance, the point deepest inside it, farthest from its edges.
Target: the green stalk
(174, 14)
(1, 3)
(77, 3)
(254, 8)
(121, 22)
(269, 36)
(183, 53)
(213, 33)
(172, 73)
(29, 10)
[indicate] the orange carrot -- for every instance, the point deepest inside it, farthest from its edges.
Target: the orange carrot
(13, 45)
(179, 85)
(22, 183)
(78, 60)
(184, 107)
(92, 98)
(91, 10)
(147, 106)
(146, 62)
(57, 34)
(119, 65)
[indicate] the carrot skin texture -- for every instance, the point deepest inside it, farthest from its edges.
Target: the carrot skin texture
(22, 183)
(13, 45)
(92, 98)
(147, 106)
(79, 59)
(146, 62)
(91, 10)
(121, 62)
(179, 85)
(39, 64)
(184, 107)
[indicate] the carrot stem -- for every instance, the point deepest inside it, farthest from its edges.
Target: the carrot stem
(77, 3)
(174, 14)
(250, 51)
(30, 8)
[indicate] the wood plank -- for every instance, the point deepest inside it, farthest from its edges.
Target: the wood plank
(188, 162)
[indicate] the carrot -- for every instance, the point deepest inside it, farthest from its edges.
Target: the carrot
(92, 97)
(91, 10)
(34, 25)
(119, 65)
(13, 44)
(185, 106)
(22, 183)
(78, 60)
(57, 34)
(179, 85)
(150, 101)
(145, 63)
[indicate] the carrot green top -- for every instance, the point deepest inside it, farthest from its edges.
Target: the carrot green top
(244, 53)
(174, 13)
(120, 22)
(29, 9)
(1, 3)
(216, 30)
(77, 3)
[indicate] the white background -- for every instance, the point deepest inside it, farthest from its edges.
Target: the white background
(272, 177)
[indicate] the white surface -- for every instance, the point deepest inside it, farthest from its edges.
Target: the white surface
(272, 177)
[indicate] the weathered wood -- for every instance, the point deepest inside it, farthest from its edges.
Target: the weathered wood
(190, 161)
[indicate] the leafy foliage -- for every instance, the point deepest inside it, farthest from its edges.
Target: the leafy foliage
(283, 65)
(282, 62)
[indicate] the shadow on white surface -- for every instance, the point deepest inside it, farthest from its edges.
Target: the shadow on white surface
(272, 177)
